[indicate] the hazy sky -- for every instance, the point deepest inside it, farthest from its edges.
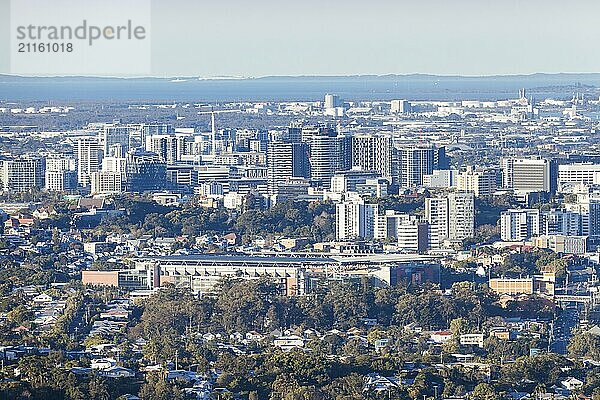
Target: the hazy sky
(470, 37)
(325, 37)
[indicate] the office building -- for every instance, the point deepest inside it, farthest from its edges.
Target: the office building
(572, 174)
(415, 162)
(107, 182)
(587, 207)
(332, 101)
(170, 148)
(560, 222)
(61, 173)
(350, 181)
(22, 174)
(308, 132)
(114, 164)
(328, 155)
(400, 107)
(440, 178)
(114, 140)
(529, 174)
(562, 244)
(293, 134)
(539, 284)
(482, 182)
(60, 181)
(148, 130)
(145, 171)
(182, 177)
(285, 161)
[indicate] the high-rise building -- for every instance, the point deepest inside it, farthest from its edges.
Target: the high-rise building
(107, 182)
(114, 164)
(400, 107)
(415, 162)
(586, 174)
(114, 140)
(332, 101)
(61, 173)
(436, 214)
(412, 235)
(22, 174)
(61, 162)
(293, 134)
(529, 174)
(170, 148)
(328, 155)
(148, 130)
(354, 219)
(286, 160)
(182, 177)
(373, 153)
(409, 231)
(588, 208)
(307, 132)
(519, 224)
(560, 222)
(451, 217)
(461, 215)
(482, 182)
(145, 171)
(87, 152)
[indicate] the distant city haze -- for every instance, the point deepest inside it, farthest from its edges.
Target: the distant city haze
(463, 37)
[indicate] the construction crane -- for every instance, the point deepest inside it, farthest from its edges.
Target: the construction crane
(214, 126)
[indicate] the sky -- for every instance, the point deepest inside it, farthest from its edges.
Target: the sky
(326, 37)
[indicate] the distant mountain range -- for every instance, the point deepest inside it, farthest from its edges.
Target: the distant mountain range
(281, 88)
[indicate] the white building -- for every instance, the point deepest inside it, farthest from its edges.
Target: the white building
(586, 174)
(560, 222)
(482, 182)
(451, 217)
(528, 174)
(519, 225)
(107, 182)
(440, 178)
(61, 173)
(22, 174)
(588, 208)
(400, 107)
(354, 219)
(436, 214)
(461, 215)
(87, 152)
(409, 231)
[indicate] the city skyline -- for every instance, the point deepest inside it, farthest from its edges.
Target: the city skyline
(305, 200)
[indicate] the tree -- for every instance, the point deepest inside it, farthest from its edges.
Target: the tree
(98, 389)
(484, 391)
(584, 345)
(157, 388)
